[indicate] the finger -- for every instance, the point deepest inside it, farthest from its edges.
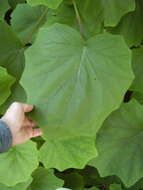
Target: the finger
(17, 107)
(33, 124)
(27, 107)
(29, 123)
(36, 133)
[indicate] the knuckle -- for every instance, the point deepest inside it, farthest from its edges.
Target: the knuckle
(15, 103)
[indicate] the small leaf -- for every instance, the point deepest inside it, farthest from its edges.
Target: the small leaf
(92, 188)
(110, 12)
(26, 21)
(74, 181)
(64, 14)
(44, 179)
(52, 4)
(6, 81)
(11, 51)
(113, 10)
(63, 189)
(92, 23)
(17, 165)
(138, 96)
(18, 94)
(115, 187)
(131, 26)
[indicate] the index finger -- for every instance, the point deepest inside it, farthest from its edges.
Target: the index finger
(27, 107)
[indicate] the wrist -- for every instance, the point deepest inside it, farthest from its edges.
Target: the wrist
(5, 137)
(9, 125)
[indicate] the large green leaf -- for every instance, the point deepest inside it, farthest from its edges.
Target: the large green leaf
(6, 81)
(11, 51)
(83, 81)
(131, 26)
(120, 146)
(44, 179)
(17, 165)
(26, 21)
(19, 186)
(137, 63)
(68, 153)
(4, 6)
(53, 4)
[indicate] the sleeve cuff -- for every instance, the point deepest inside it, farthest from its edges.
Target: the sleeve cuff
(5, 137)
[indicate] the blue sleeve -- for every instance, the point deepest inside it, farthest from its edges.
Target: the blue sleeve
(5, 137)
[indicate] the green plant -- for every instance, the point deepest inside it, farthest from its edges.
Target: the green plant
(80, 62)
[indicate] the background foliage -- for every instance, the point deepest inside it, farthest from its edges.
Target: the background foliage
(80, 62)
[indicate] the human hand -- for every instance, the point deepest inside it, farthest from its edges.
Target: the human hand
(20, 125)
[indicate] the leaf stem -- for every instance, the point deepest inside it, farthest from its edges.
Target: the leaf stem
(78, 17)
